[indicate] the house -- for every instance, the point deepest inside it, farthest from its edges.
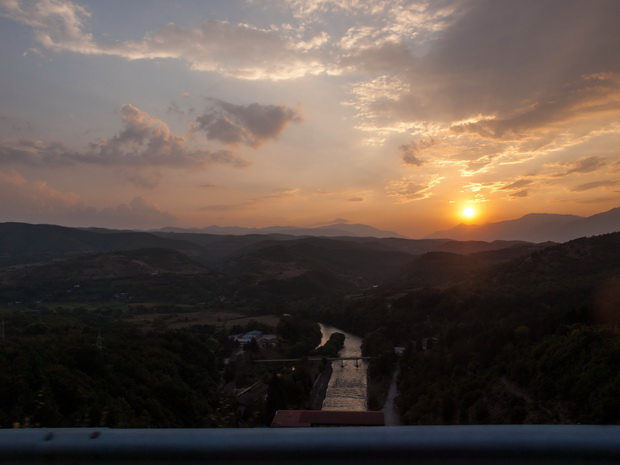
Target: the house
(247, 337)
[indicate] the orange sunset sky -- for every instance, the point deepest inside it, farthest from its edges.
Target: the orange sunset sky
(396, 114)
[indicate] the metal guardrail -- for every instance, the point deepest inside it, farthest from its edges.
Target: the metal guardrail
(372, 445)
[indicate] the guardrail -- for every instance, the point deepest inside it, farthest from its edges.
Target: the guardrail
(564, 444)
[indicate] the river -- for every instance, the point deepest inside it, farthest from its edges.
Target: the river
(347, 386)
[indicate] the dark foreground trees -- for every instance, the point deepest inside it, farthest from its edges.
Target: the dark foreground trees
(58, 371)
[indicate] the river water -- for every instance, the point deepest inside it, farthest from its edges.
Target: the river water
(347, 386)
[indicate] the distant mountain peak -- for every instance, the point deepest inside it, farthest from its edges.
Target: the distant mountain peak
(331, 230)
(537, 227)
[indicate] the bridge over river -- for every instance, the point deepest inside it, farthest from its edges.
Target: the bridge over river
(310, 359)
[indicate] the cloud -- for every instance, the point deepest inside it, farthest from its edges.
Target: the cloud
(57, 24)
(521, 183)
(591, 95)
(356, 199)
(581, 166)
(587, 165)
(36, 201)
(141, 179)
(410, 151)
(387, 57)
(506, 54)
(594, 185)
(228, 207)
(254, 203)
(34, 198)
(504, 70)
(407, 190)
(520, 194)
(144, 141)
(250, 125)
(236, 50)
(136, 214)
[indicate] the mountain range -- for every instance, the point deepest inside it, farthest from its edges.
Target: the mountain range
(536, 227)
(331, 230)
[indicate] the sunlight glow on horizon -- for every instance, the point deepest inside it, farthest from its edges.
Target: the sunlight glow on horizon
(214, 113)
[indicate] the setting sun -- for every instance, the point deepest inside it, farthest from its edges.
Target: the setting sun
(469, 212)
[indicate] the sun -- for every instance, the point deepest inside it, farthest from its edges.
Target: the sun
(469, 212)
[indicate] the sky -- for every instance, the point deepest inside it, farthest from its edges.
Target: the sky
(142, 114)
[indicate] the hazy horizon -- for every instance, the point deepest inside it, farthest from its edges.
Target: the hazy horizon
(398, 115)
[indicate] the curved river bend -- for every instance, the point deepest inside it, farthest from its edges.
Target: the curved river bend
(347, 386)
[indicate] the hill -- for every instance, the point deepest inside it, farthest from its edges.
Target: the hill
(332, 230)
(532, 339)
(256, 266)
(27, 243)
(537, 227)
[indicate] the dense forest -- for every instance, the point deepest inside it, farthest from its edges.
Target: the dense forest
(67, 370)
(531, 340)
(98, 331)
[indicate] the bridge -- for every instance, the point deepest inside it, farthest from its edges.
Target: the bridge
(311, 359)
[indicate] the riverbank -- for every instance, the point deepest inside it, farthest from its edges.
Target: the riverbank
(319, 389)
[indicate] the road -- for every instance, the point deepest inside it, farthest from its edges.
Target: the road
(389, 411)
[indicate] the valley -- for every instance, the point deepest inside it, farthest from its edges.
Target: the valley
(489, 332)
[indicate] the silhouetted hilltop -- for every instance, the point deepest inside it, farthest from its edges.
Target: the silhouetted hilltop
(29, 243)
(332, 230)
(537, 227)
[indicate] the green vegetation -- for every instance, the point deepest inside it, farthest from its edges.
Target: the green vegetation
(524, 334)
(68, 371)
(299, 336)
(334, 344)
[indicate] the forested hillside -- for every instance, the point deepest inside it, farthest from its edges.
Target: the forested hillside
(531, 340)
(501, 332)
(69, 370)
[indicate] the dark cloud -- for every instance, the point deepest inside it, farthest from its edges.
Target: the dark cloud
(593, 185)
(583, 165)
(521, 193)
(500, 56)
(250, 125)
(411, 151)
(356, 199)
(517, 184)
(589, 95)
(144, 141)
(587, 165)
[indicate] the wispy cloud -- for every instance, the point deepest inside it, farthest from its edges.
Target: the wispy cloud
(581, 166)
(237, 50)
(594, 185)
(519, 184)
(38, 199)
(408, 190)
